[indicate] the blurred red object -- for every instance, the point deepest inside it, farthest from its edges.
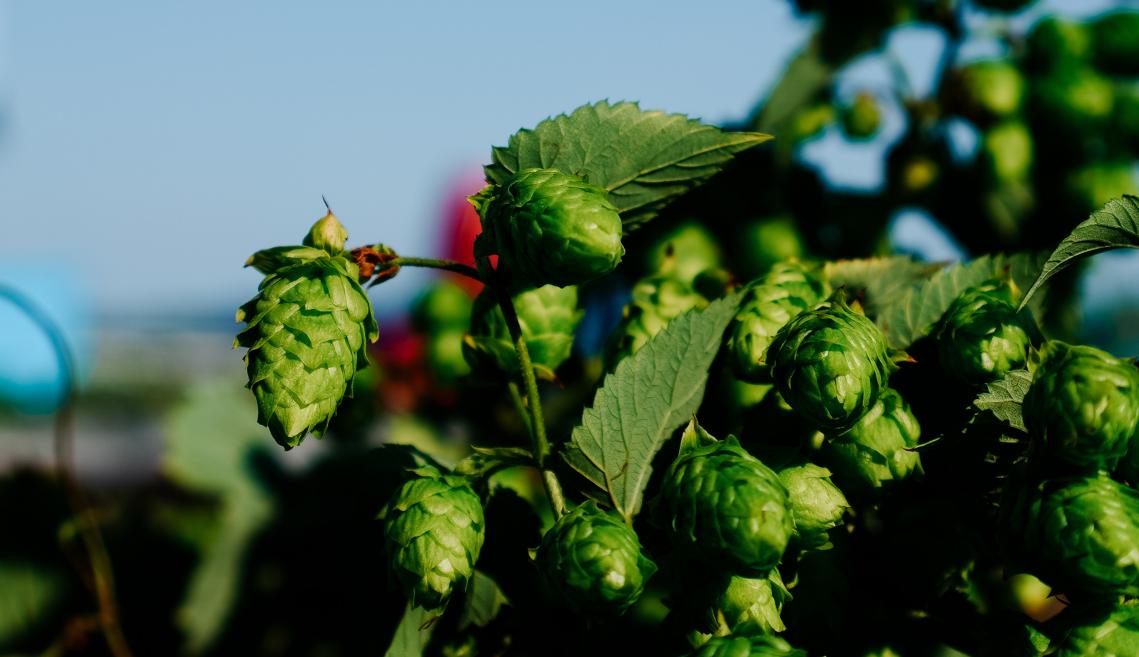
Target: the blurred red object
(461, 226)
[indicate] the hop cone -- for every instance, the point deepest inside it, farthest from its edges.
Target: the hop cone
(787, 290)
(830, 364)
(817, 504)
(593, 560)
(981, 337)
(547, 315)
(1083, 404)
(551, 228)
(306, 331)
(657, 300)
(875, 451)
(445, 306)
(433, 533)
(1101, 631)
(1083, 532)
(751, 605)
(760, 645)
(730, 507)
(684, 252)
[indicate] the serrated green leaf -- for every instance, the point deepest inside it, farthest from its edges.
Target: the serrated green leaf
(913, 314)
(1114, 226)
(412, 633)
(643, 158)
(644, 400)
(878, 281)
(483, 601)
(1004, 398)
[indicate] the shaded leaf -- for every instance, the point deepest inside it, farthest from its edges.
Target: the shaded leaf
(412, 633)
(1004, 398)
(644, 400)
(1114, 226)
(878, 281)
(30, 592)
(643, 158)
(487, 460)
(483, 601)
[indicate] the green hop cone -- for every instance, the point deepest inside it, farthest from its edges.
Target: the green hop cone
(441, 307)
(684, 252)
(764, 242)
(550, 228)
(751, 605)
(877, 450)
(727, 505)
(547, 315)
(860, 119)
(1083, 535)
(1054, 43)
(1083, 405)
(433, 533)
(1073, 100)
(1101, 630)
(593, 561)
(307, 332)
(981, 337)
(817, 504)
(1090, 186)
(759, 645)
(657, 300)
(830, 364)
(995, 89)
(1115, 39)
(1008, 151)
(787, 290)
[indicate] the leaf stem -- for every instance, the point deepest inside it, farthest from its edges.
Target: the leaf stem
(541, 442)
(437, 263)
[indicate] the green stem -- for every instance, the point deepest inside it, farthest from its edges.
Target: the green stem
(437, 263)
(541, 442)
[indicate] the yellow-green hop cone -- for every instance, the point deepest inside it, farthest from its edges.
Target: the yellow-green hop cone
(657, 300)
(995, 89)
(764, 242)
(1100, 631)
(307, 332)
(1083, 535)
(727, 505)
(758, 645)
(433, 532)
(830, 364)
(550, 228)
(547, 315)
(1083, 405)
(817, 504)
(787, 290)
(981, 337)
(751, 605)
(441, 307)
(684, 252)
(877, 450)
(860, 119)
(594, 562)
(1008, 151)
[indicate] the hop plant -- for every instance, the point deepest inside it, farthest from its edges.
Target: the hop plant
(981, 337)
(684, 252)
(550, 228)
(751, 605)
(727, 505)
(877, 450)
(817, 505)
(1099, 631)
(787, 290)
(657, 300)
(1083, 404)
(830, 364)
(433, 533)
(306, 333)
(594, 561)
(548, 317)
(758, 645)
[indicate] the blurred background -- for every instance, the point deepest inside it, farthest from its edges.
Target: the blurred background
(147, 149)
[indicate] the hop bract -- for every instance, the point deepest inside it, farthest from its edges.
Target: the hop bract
(593, 560)
(877, 450)
(551, 228)
(727, 505)
(1083, 533)
(547, 315)
(751, 605)
(787, 290)
(307, 332)
(830, 364)
(981, 337)
(433, 533)
(817, 504)
(1083, 404)
(657, 300)
(758, 645)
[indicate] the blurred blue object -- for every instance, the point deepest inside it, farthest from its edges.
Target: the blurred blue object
(30, 378)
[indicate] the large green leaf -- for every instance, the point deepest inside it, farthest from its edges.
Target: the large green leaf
(913, 314)
(1004, 398)
(643, 158)
(878, 281)
(1114, 226)
(644, 400)
(412, 633)
(210, 438)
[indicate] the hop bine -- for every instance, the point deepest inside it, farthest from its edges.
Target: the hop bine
(981, 337)
(306, 332)
(433, 532)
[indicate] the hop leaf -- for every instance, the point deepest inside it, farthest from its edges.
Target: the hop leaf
(981, 337)
(547, 315)
(1083, 404)
(787, 290)
(593, 560)
(729, 506)
(876, 451)
(657, 300)
(830, 364)
(306, 331)
(760, 645)
(550, 228)
(433, 534)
